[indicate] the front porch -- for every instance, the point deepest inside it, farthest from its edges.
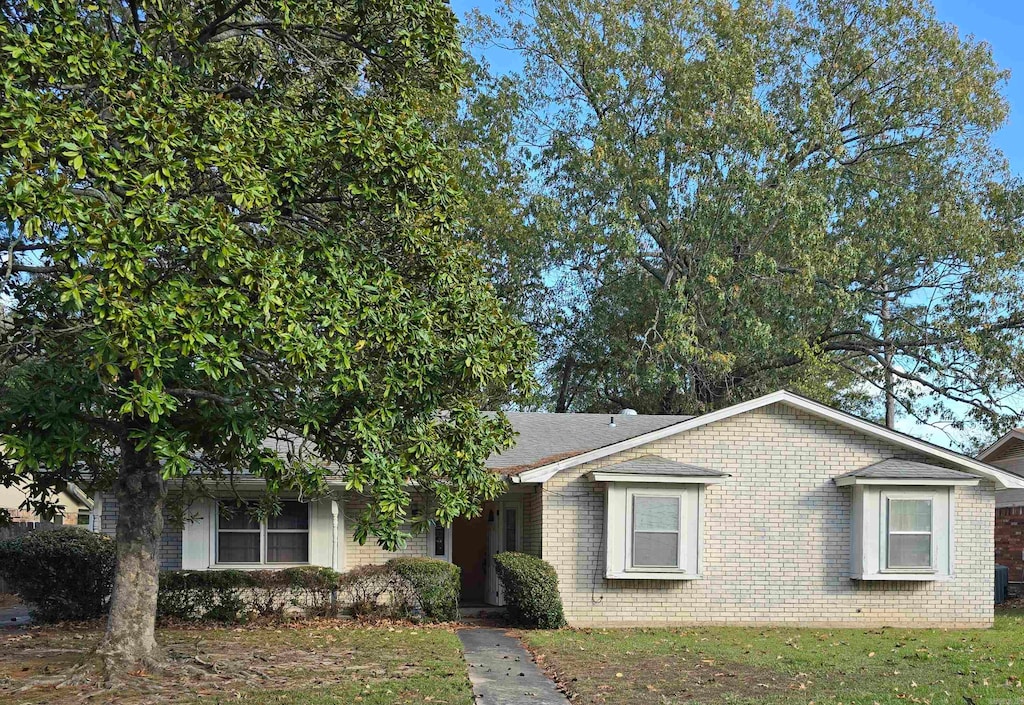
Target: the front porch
(510, 523)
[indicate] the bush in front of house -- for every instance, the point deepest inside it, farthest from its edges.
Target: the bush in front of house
(436, 583)
(237, 595)
(62, 574)
(378, 592)
(531, 591)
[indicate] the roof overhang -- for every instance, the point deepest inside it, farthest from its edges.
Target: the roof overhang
(905, 482)
(598, 476)
(1003, 479)
(1013, 435)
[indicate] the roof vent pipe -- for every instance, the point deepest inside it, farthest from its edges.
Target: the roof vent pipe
(627, 412)
(611, 421)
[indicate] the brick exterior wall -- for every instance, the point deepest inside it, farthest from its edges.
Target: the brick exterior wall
(533, 521)
(169, 551)
(370, 553)
(1010, 541)
(776, 536)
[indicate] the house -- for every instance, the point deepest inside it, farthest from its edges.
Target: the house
(778, 510)
(73, 505)
(1008, 453)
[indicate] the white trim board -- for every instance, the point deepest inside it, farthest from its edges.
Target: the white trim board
(905, 482)
(1003, 479)
(599, 476)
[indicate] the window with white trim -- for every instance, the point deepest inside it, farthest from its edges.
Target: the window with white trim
(653, 531)
(909, 533)
(902, 532)
(279, 539)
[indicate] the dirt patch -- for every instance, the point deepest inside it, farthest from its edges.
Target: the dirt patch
(38, 665)
(647, 679)
(8, 600)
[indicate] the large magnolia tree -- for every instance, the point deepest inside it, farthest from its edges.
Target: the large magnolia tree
(226, 222)
(697, 201)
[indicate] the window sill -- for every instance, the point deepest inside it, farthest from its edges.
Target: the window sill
(656, 575)
(257, 566)
(906, 577)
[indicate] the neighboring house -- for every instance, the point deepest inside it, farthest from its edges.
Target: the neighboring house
(1008, 453)
(778, 510)
(73, 505)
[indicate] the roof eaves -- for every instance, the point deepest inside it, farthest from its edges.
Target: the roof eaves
(1004, 479)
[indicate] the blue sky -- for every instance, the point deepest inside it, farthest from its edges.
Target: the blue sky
(1001, 24)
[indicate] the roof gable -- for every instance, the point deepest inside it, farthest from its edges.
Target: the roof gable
(1002, 478)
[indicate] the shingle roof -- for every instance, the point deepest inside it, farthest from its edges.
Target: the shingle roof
(897, 469)
(656, 465)
(546, 438)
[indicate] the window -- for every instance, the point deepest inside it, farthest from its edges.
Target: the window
(511, 528)
(283, 538)
(656, 532)
(909, 534)
(440, 541)
(84, 517)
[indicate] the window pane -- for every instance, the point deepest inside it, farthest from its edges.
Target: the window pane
(655, 514)
(439, 542)
(288, 548)
(511, 544)
(910, 515)
(910, 550)
(294, 515)
(234, 516)
(238, 548)
(656, 550)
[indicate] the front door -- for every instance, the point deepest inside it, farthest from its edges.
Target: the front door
(504, 533)
(469, 552)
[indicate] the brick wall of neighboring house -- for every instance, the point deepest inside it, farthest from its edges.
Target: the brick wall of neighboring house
(776, 536)
(169, 552)
(1010, 541)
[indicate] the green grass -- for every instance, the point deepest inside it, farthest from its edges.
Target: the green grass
(317, 663)
(788, 666)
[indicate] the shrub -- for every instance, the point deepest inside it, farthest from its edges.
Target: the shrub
(65, 573)
(531, 590)
(377, 591)
(235, 595)
(436, 583)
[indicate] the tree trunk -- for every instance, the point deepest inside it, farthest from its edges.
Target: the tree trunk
(130, 641)
(887, 353)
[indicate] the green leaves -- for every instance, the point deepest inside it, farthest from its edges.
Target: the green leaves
(235, 228)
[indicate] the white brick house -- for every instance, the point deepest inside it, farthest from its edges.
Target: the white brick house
(775, 511)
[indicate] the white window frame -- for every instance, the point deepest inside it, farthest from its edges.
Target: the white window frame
(263, 531)
(887, 498)
(631, 496)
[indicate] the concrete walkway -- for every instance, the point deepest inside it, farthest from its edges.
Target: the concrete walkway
(502, 672)
(16, 616)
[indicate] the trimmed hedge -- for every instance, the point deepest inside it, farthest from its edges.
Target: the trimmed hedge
(531, 591)
(404, 588)
(235, 595)
(62, 574)
(436, 583)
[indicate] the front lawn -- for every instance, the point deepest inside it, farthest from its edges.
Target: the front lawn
(787, 666)
(317, 663)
